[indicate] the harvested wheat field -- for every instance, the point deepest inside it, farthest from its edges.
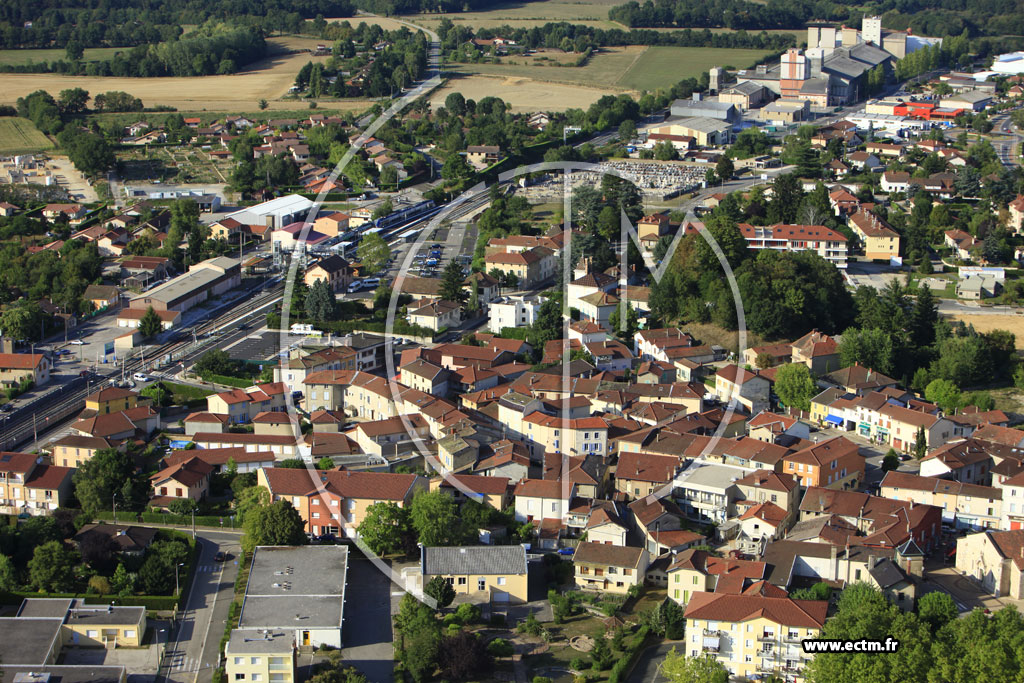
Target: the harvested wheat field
(986, 323)
(267, 79)
(522, 94)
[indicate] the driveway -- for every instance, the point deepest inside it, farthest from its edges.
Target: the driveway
(366, 628)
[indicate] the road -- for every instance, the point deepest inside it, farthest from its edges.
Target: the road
(1008, 150)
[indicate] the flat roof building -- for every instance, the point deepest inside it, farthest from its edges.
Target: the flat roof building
(297, 589)
(276, 213)
(203, 281)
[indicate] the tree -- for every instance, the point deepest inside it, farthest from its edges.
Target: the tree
(625, 329)
(262, 104)
(373, 253)
(215, 362)
(386, 528)
(440, 590)
(451, 283)
(435, 517)
(73, 101)
(275, 524)
(795, 386)
(945, 394)
(123, 581)
(891, 461)
(920, 443)
(182, 506)
(936, 609)
(678, 668)
(159, 393)
(8, 574)
(872, 348)
(150, 324)
(248, 499)
(325, 463)
(109, 478)
(320, 302)
(50, 567)
(724, 169)
(601, 655)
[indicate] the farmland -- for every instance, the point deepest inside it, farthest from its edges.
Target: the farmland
(537, 82)
(19, 135)
(521, 94)
(528, 15)
(267, 79)
(985, 322)
(20, 57)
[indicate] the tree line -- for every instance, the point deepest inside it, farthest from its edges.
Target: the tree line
(25, 23)
(923, 17)
(580, 38)
(211, 49)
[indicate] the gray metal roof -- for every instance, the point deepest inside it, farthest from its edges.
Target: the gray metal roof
(844, 66)
(295, 587)
(886, 573)
(744, 88)
(484, 559)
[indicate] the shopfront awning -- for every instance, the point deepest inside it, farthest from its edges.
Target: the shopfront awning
(834, 420)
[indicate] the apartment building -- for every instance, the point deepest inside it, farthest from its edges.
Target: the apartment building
(754, 634)
(825, 242)
(968, 506)
(639, 475)
(336, 501)
(707, 492)
(260, 655)
(834, 463)
(694, 571)
(518, 310)
(27, 486)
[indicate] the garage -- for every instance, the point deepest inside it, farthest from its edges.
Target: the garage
(500, 597)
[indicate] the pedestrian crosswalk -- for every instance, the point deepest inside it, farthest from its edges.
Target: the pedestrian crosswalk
(208, 568)
(180, 663)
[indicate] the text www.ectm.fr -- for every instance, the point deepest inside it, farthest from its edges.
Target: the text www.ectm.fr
(863, 645)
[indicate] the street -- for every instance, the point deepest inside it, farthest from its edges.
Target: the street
(192, 648)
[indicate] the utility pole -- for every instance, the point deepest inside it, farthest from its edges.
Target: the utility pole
(35, 432)
(114, 505)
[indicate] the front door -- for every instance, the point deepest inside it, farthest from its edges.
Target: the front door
(305, 638)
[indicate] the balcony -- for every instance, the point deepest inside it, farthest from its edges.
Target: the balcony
(712, 642)
(768, 637)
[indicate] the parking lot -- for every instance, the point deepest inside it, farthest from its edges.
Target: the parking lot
(366, 631)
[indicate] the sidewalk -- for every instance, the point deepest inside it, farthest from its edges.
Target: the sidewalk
(964, 591)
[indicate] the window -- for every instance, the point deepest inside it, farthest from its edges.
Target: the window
(129, 633)
(239, 661)
(254, 660)
(257, 677)
(613, 570)
(675, 594)
(91, 633)
(239, 677)
(501, 580)
(695, 580)
(481, 584)
(462, 580)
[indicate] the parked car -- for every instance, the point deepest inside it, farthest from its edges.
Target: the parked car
(78, 342)
(355, 286)
(140, 377)
(220, 557)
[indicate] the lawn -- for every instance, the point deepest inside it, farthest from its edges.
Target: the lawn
(19, 135)
(19, 57)
(186, 390)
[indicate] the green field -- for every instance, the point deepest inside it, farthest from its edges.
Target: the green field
(665, 66)
(529, 14)
(18, 136)
(628, 68)
(19, 57)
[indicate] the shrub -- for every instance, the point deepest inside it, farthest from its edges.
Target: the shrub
(499, 647)
(577, 664)
(100, 585)
(497, 620)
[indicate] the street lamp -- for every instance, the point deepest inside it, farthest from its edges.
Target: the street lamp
(177, 590)
(156, 650)
(114, 505)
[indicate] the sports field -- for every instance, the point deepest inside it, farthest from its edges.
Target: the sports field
(19, 135)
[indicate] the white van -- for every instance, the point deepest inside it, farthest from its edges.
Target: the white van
(371, 283)
(355, 286)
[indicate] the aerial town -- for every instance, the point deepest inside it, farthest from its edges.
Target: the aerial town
(542, 342)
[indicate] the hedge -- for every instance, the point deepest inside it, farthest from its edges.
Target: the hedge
(624, 664)
(229, 381)
(169, 518)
